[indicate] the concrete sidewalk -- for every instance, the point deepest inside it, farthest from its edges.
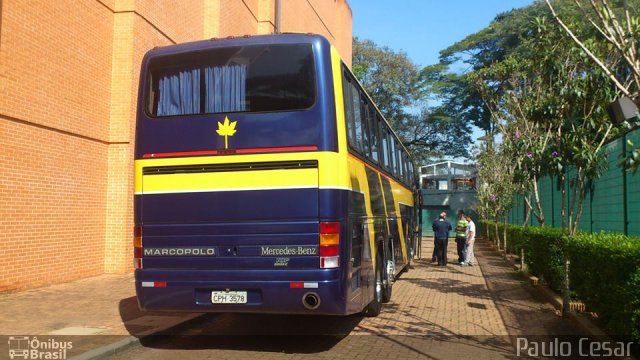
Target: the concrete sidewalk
(91, 313)
(452, 312)
(100, 315)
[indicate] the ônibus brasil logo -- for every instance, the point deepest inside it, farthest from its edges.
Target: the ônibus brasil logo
(25, 347)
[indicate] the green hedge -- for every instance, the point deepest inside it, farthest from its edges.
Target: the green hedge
(604, 270)
(605, 274)
(544, 255)
(542, 249)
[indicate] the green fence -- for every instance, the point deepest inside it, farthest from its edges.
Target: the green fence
(436, 201)
(612, 202)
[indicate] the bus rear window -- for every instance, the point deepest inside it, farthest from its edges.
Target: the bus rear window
(252, 78)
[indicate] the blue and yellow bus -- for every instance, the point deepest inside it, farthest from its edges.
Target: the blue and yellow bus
(266, 181)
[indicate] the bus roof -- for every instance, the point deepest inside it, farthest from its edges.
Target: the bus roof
(230, 41)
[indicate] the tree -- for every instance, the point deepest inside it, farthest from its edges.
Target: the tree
(433, 134)
(531, 80)
(564, 97)
(475, 52)
(619, 26)
(399, 89)
(495, 193)
(389, 77)
(575, 104)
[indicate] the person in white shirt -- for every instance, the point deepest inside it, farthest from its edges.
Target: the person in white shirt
(470, 235)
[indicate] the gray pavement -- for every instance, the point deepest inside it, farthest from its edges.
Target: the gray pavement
(435, 312)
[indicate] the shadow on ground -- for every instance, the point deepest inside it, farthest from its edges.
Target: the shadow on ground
(299, 334)
(247, 332)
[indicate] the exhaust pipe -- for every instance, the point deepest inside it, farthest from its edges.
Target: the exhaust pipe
(311, 300)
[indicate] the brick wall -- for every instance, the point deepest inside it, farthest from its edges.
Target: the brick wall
(330, 18)
(55, 78)
(68, 86)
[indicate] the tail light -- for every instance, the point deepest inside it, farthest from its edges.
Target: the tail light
(137, 247)
(329, 245)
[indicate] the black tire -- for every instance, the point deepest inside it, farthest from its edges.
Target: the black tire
(387, 287)
(375, 306)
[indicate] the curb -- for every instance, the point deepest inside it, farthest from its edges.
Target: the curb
(580, 321)
(112, 349)
(108, 350)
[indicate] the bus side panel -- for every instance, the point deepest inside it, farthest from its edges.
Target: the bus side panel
(395, 195)
(361, 224)
(383, 199)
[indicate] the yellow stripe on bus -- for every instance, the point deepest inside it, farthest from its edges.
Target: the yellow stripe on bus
(231, 181)
(330, 176)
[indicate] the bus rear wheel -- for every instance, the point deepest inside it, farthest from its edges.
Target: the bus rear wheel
(375, 306)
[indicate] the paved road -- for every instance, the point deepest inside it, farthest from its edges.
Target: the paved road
(435, 313)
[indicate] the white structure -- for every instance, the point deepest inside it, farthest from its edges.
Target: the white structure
(448, 176)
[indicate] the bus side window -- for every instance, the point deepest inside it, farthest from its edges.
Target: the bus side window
(411, 174)
(365, 132)
(401, 157)
(355, 101)
(373, 131)
(380, 126)
(348, 109)
(391, 149)
(385, 146)
(398, 156)
(406, 169)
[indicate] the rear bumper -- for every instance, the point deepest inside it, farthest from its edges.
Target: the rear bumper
(268, 291)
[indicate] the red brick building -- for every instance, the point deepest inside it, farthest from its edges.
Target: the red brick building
(68, 87)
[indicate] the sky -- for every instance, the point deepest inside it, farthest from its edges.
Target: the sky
(421, 28)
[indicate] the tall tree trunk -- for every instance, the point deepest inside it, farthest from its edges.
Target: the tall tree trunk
(581, 194)
(563, 200)
(497, 240)
(527, 211)
(566, 292)
(536, 192)
(504, 235)
(576, 200)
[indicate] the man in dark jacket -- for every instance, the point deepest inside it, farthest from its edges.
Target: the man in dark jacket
(441, 228)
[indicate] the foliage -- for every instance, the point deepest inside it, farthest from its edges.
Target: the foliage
(605, 273)
(616, 26)
(575, 108)
(477, 51)
(631, 160)
(389, 77)
(399, 89)
(548, 102)
(543, 250)
(605, 269)
(433, 134)
(496, 191)
(499, 93)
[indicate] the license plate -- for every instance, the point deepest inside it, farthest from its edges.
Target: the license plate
(229, 297)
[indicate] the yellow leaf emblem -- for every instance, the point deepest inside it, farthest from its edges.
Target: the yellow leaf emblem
(226, 129)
